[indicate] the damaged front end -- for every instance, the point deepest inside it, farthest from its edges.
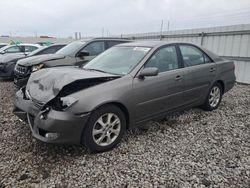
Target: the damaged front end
(48, 124)
(63, 101)
(49, 120)
(7, 70)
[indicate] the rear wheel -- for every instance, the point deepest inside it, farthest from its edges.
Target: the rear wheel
(214, 97)
(104, 129)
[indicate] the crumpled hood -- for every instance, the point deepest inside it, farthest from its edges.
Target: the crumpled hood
(34, 60)
(46, 84)
(10, 57)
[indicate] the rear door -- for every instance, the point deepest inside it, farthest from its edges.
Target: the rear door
(199, 73)
(94, 48)
(157, 94)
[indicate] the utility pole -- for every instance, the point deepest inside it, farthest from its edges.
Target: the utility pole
(103, 32)
(161, 29)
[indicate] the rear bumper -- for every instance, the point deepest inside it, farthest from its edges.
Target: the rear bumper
(229, 85)
(50, 126)
(7, 70)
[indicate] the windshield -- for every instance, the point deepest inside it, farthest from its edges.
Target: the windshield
(72, 47)
(118, 60)
(4, 48)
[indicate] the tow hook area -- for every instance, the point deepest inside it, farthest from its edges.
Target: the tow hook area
(44, 113)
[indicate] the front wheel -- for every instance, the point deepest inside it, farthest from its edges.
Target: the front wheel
(104, 129)
(214, 97)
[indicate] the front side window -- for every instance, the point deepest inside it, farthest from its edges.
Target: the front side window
(94, 48)
(118, 60)
(165, 59)
(13, 49)
(193, 56)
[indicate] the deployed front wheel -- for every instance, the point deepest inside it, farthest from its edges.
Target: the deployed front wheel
(104, 129)
(214, 97)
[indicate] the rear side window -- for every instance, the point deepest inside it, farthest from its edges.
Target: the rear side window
(51, 49)
(113, 43)
(193, 56)
(30, 48)
(95, 48)
(165, 59)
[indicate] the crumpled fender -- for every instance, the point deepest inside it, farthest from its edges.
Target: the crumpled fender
(46, 84)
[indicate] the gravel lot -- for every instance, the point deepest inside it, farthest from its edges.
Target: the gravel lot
(191, 149)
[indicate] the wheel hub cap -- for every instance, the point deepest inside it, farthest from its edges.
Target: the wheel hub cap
(214, 96)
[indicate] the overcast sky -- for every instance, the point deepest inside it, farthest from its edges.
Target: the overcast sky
(61, 18)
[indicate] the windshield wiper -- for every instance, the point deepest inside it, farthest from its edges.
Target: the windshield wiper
(103, 71)
(95, 70)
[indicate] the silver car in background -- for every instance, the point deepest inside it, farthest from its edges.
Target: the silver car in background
(123, 87)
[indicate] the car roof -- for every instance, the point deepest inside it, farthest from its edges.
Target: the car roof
(151, 44)
(58, 44)
(105, 39)
(27, 44)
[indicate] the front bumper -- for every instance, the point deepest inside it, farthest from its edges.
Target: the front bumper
(50, 126)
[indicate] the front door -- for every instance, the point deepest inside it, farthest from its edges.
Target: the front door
(158, 94)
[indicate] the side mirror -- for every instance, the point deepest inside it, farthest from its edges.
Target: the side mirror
(82, 54)
(150, 71)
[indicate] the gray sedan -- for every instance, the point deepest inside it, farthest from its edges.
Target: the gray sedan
(125, 86)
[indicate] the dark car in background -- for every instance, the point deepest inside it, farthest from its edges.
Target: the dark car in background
(76, 53)
(10, 53)
(125, 86)
(8, 61)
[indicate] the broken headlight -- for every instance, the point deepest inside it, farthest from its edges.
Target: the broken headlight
(37, 67)
(63, 103)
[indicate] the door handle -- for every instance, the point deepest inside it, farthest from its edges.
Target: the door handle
(178, 77)
(212, 69)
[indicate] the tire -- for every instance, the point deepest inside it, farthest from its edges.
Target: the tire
(212, 104)
(98, 130)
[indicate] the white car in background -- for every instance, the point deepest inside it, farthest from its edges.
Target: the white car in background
(9, 54)
(18, 49)
(3, 44)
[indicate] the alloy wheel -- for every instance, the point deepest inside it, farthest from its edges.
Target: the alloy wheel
(214, 96)
(106, 129)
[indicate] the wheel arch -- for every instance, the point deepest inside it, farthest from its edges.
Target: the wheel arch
(119, 105)
(222, 85)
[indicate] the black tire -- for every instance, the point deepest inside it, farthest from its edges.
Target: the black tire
(207, 105)
(87, 137)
